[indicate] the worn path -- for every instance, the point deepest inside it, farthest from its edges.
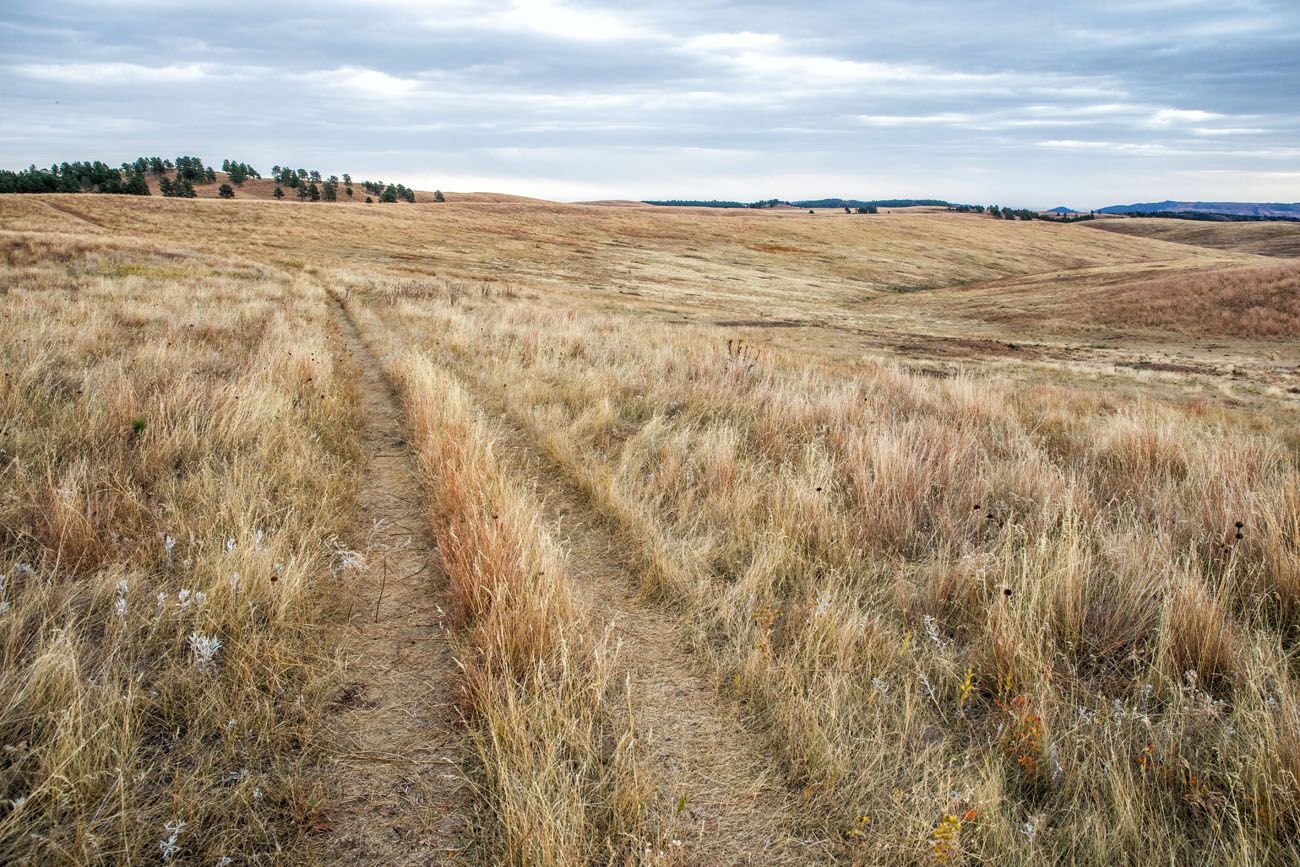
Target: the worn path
(404, 799)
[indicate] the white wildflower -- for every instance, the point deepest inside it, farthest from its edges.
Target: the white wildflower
(183, 597)
(122, 587)
(230, 544)
(932, 629)
(204, 648)
(257, 540)
(1028, 830)
(225, 861)
(169, 846)
(234, 582)
(162, 601)
(200, 598)
(880, 685)
(929, 689)
(823, 605)
(119, 607)
(169, 542)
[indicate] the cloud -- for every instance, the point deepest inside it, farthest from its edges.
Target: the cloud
(118, 73)
(361, 82)
(551, 19)
(997, 101)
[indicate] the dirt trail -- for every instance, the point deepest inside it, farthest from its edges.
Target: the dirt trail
(738, 809)
(403, 799)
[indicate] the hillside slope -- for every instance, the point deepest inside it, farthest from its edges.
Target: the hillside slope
(1265, 239)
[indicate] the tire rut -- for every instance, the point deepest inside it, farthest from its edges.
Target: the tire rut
(738, 809)
(402, 797)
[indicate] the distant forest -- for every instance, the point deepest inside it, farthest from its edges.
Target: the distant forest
(178, 178)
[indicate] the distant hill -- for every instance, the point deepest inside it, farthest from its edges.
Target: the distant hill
(1062, 209)
(1235, 209)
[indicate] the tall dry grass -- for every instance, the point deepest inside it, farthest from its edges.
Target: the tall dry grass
(176, 457)
(559, 773)
(1234, 302)
(981, 621)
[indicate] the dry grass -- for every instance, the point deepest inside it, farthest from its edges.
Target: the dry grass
(1280, 239)
(999, 614)
(1241, 302)
(1027, 610)
(560, 775)
(175, 458)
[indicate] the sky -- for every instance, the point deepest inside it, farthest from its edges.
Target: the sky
(1025, 103)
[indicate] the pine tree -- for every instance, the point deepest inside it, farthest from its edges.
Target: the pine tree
(226, 191)
(279, 193)
(438, 196)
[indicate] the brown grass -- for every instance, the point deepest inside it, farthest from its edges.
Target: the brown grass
(1239, 302)
(1281, 239)
(158, 438)
(561, 778)
(1003, 613)
(943, 597)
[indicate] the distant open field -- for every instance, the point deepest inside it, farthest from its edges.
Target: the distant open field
(512, 532)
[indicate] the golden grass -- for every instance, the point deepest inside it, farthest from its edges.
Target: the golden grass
(1240, 302)
(175, 458)
(560, 775)
(1060, 618)
(1001, 614)
(1265, 238)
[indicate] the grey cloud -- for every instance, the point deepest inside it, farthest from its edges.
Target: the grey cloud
(1028, 104)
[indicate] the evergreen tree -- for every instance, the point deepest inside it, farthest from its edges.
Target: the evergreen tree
(165, 186)
(279, 193)
(438, 196)
(136, 186)
(226, 191)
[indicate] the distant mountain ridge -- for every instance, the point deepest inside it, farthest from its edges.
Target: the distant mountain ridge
(1236, 209)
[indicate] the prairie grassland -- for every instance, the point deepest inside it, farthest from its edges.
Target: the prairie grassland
(997, 611)
(176, 457)
(978, 620)
(1280, 239)
(560, 778)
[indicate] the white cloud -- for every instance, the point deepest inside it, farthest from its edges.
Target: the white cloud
(1180, 117)
(127, 73)
(552, 19)
(362, 82)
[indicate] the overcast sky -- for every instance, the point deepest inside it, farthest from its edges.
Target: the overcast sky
(1013, 101)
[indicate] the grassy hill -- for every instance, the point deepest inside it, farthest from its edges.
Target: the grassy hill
(1266, 239)
(574, 534)
(264, 189)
